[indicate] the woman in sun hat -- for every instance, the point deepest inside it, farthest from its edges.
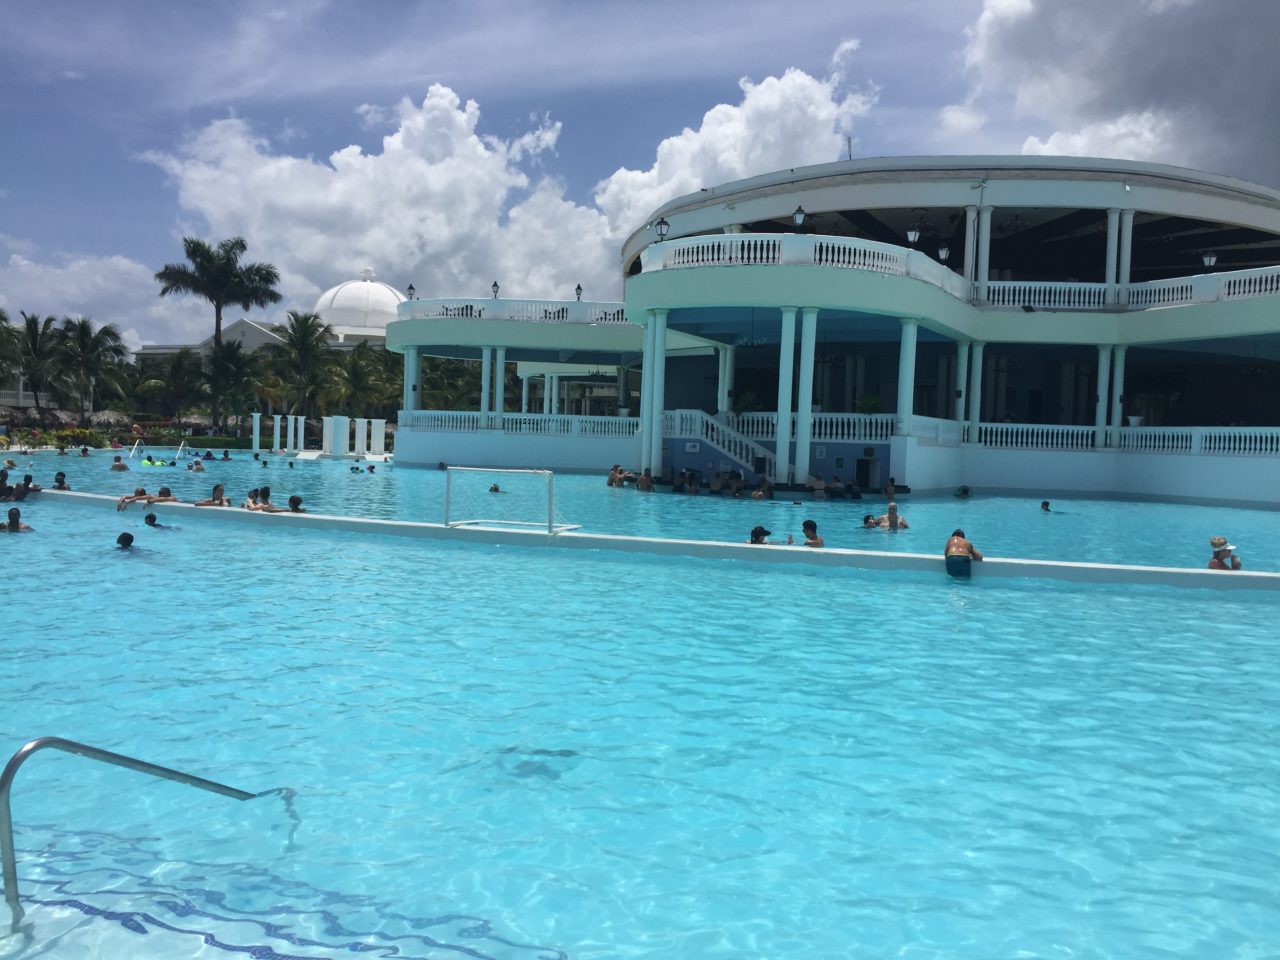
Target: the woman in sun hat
(760, 535)
(1223, 557)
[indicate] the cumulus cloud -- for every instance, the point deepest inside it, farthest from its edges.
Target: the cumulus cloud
(113, 290)
(1183, 81)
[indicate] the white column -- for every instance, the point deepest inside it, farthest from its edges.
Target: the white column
(1126, 254)
(1100, 410)
(378, 437)
(486, 375)
(412, 370)
(907, 375)
(975, 391)
(786, 370)
(257, 432)
(804, 400)
(730, 359)
(301, 435)
(984, 250)
(722, 398)
(970, 240)
(1113, 244)
(341, 436)
(326, 435)
(524, 394)
(553, 387)
(1117, 393)
(646, 393)
(962, 375)
(659, 386)
(275, 433)
(500, 383)
(621, 389)
(546, 394)
(361, 446)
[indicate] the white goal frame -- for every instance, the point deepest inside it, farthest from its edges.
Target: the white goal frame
(550, 523)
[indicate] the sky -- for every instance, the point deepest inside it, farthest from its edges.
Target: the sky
(451, 144)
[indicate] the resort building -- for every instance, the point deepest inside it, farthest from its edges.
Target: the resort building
(1032, 323)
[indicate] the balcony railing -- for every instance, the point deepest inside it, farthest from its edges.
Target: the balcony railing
(528, 424)
(851, 253)
(527, 311)
(827, 427)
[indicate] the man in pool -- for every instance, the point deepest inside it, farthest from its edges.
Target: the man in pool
(809, 531)
(892, 521)
(125, 541)
(959, 554)
(116, 462)
(1044, 506)
(60, 481)
(151, 521)
(15, 524)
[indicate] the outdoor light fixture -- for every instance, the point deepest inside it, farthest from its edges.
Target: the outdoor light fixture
(578, 291)
(1209, 258)
(411, 291)
(943, 252)
(662, 227)
(798, 217)
(913, 234)
(494, 288)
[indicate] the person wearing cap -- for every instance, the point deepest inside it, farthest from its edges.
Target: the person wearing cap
(891, 520)
(1223, 558)
(959, 554)
(758, 535)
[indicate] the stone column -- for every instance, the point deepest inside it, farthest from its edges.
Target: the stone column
(659, 386)
(786, 370)
(500, 383)
(962, 375)
(546, 394)
(362, 436)
(341, 436)
(257, 432)
(300, 435)
(646, 393)
(1113, 244)
(412, 371)
(1100, 410)
(326, 435)
(486, 376)
(984, 250)
(975, 390)
(907, 375)
(970, 241)
(804, 398)
(722, 399)
(524, 394)
(378, 437)
(1126, 254)
(1117, 393)
(275, 433)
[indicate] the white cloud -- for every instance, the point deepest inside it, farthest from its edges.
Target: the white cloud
(960, 119)
(1141, 136)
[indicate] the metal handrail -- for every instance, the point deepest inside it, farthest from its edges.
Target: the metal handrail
(10, 864)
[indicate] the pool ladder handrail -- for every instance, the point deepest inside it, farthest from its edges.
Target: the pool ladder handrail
(10, 864)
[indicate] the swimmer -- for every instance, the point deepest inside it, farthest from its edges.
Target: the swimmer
(1223, 558)
(295, 504)
(251, 501)
(959, 554)
(962, 492)
(84, 452)
(197, 466)
(810, 534)
(15, 524)
(163, 495)
(759, 535)
(892, 521)
(870, 522)
(1044, 506)
(10, 465)
(116, 463)
(495, 489)
(138, 494)
(216, 499)
(151, 521)
(60, 481)
(125, 541)
(369, 469)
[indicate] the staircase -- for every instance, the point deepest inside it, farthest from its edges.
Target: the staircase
(729, 443)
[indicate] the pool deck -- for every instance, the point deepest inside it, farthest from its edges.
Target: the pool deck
(831, 557)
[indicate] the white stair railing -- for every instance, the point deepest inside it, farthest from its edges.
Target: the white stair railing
(695, 423)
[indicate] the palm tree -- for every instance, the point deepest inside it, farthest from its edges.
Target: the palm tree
(8, 347)
(37, 356)
(217, 275)
(89, 359)
(359, 382)
(233, 375)
(304, 359)
(177, 382)
(450, 384)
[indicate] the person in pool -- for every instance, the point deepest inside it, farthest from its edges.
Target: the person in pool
(809, 530)
(216, 499)
(116, 462)
(959, 555)
(295, 504)
(892, 521)
(139, 493)
(60, 481)
(164, 495)
(1044, 506)
(251, 501)
(759, 535)
(151, 521)
(1223, 557)
(125, 541)
(15, 524)
(870, 522)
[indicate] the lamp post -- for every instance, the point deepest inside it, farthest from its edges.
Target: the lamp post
(578, 291)
(411, 291)
(494, 288)
(662, 227)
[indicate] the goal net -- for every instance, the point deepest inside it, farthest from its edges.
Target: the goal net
(487, 497)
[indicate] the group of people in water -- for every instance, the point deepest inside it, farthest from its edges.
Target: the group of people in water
(258, 499)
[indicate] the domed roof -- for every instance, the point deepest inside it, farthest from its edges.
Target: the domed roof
(366, 302)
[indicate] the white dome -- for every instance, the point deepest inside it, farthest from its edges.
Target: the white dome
(366, 303)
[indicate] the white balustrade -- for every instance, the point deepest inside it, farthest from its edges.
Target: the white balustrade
(827, 427)
(557, 425)
(1016, 294)
(937, 432)
(1161, 293)
(1156, 439)
(527, 311)
(1035, 436)
(1250, 283)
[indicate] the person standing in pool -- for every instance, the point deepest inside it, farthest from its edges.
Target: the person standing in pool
(116, 463)
(759, 535)
(1223, 557)
(1044, 506)
(959, 554)
(216, 499)
(810, 534)
(892, 521)
(15, 524)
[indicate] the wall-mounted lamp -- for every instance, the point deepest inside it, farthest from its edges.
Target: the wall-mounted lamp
(578, 291)
(411, 291)
(494, 288)
(1209, 258)
(662, 228)
(798, 217)
(913, 234)
(944, 251)
(1127, 188)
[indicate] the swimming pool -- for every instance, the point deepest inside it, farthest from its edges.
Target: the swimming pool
(1157, 534)
(506, 752)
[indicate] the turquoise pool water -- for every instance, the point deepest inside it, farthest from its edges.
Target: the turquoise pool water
(1079, 529)
(515, 753)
